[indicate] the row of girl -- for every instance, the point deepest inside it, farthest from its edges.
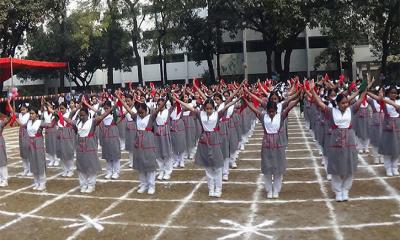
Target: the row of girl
(344, 122)
(156, 133)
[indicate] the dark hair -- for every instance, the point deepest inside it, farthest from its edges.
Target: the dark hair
(272, 106)
(107, 103)
(63, 104)
(141, 105)
(391, 87)
(129, 96)
(84, 109)
(209, 101)
(160, 100)
(333, 102)
(340, 97)
(36, 110)
(272, 94)
(218, 95)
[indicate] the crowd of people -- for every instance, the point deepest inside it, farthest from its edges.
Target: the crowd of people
(162, 128)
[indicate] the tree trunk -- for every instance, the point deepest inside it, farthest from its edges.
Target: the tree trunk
(211, 68)
(110, 77)
(218, 66)
(137, 58)
(165, 67)
(160, 58)
(268, 52)
(286, 68)
(278, 60)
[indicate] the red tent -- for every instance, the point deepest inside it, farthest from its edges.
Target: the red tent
(7, 66)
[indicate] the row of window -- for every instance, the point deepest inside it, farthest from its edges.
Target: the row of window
(237, 47)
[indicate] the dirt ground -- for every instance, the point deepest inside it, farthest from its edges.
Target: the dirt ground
(181, 208)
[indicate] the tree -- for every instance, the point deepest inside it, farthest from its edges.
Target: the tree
(133, 10)
(116, 52)
(344, 25)
(384, 19)
(18, 17)
(82, 45)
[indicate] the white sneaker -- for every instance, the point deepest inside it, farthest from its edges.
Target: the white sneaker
(182, 164)
(225, 177)
(64, 174)
(376, 160)
(167, 177)
(108, 176)
(115, 176)
(234, 165)
(35, 187)
(320, 152)
(345, 196)
(41, 187)
(275, 195)
(23, 173)
(218, 193)
(70, 173)
(329, 177)
(142, 189)
(4, 184)
(366, 150)
(360, 151)
(211, 193)
(176, 164)
(83, 189)
(29, 174)
(130, 165)
(90, 189)
(151, 191)
(56, 163)
(339, 197)
(389, 173)
(395, 172)
(160, 176)
(51, 163)
(269, 195)
(242, 147)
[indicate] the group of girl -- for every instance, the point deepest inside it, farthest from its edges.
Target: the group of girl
(345, 121)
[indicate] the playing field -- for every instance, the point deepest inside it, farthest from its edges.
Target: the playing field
(181, 208)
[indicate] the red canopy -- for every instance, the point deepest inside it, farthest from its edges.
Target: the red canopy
(5, 66)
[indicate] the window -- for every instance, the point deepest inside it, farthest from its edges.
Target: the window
(318, 42)
(151, 60)
(175, 58)
(231, 47)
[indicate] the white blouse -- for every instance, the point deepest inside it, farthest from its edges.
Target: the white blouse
(48, 117)
(84, 128)
(162, 117)
(65, 115)
(33, 127)
(129, 116)
(23, 118)
(174, 115)
(273, 125)
(142, 123)
(209, 122)
(392, 111)
(342, 120)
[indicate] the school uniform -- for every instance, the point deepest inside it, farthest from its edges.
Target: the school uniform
(111, 148)
(51, 140)
(130, 135)
(36, 153)
(188, 122)
(66, 138)
(3, 158)
(178, 137)
(390, 139)
(24, 143)
(209, 154)
(342, 154)
(144, 160)
(87, 162)
(361, 126)
(273, 156)
(375, 128)
(163, 144)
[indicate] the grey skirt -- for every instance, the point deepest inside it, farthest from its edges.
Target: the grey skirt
(111, 148)
(122, 128)
(51, 140)
(23, 143)
(375, 128)
(390, 138)
(342, 152)
(37, 155)
(232, 137)
(144, 159)
(273, 156)
(190, 132)
(178, 137)
(223, 134)
(66, 138)
(361, 123)
(162, 138)
(87, 161)
(209, 152)
(3, 153)
(130, 136)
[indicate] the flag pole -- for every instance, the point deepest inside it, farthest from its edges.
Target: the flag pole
(12, 78)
